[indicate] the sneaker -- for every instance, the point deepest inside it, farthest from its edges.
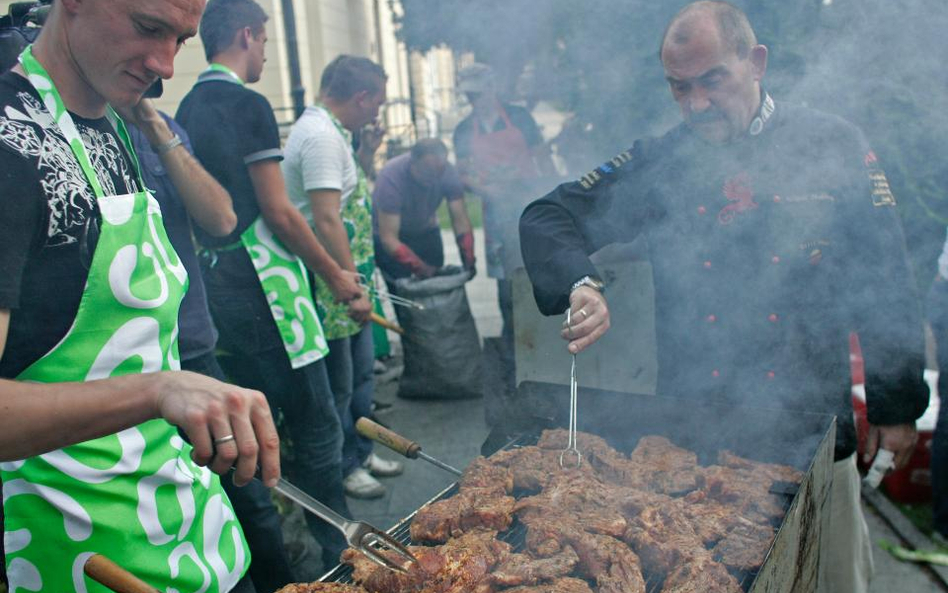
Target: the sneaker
(360, 484)
(382, 468)
(378, 367)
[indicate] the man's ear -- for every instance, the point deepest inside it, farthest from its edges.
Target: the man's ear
(244, 37)
(758, 58)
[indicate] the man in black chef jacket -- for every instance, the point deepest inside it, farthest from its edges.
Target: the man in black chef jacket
(772, 235)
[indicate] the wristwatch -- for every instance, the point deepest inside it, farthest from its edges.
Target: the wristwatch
(590, 281)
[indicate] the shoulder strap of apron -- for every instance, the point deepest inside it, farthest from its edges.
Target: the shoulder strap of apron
(43, 84)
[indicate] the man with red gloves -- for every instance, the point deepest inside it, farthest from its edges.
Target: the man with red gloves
(407, 194)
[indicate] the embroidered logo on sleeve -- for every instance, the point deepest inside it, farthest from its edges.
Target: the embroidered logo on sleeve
(591, 179)
(881, 192)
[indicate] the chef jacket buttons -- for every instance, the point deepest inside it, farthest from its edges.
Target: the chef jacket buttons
(775, 259)
(776, 199)
(772, 318)
(771, 374)
(711, 318)
(715, 373)
(702, 210)
(707, 265)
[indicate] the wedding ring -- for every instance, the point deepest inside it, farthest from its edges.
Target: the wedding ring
(223, 440)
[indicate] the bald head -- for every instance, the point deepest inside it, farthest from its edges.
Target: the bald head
(705, 18)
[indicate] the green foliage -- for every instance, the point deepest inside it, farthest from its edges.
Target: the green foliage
(878, 63)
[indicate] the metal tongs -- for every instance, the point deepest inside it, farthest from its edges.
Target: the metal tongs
(359, 534)
(395, 300)
(571, 450)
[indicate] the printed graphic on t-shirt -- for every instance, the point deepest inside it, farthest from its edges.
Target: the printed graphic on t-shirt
(31, 133)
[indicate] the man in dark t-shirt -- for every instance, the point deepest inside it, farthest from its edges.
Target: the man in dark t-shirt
(235, 136)
(200, 197)
(408, 192)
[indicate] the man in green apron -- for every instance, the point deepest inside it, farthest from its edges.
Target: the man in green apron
(256, 277)
(88, 321)
(326, 182)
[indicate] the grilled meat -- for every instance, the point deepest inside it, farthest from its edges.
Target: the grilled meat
(469, 509)
(663, 537)
(485, 474)
(460, 566)
(602, 558)
(564, 585)
(523, 569)
(776, 472)
(745, 546)
(318, 587)
(701, 574)
(586, 498)
(532, 467)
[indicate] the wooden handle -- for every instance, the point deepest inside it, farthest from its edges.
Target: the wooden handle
(384, 436)
(387, 324)
(107, 573)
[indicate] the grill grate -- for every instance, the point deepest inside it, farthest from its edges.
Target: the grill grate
(517, 533)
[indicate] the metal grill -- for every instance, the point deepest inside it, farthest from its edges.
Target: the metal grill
(516, 534)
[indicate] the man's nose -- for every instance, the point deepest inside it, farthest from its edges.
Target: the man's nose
(160, 60)
(698, 101)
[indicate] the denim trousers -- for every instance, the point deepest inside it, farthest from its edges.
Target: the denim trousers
(300, 397)
(269, 567)
(352, 381)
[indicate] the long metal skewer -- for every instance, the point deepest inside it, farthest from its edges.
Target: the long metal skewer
(571, 448)
(395, 300)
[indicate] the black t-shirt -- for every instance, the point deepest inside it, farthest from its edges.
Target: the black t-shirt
(519, 117)
(50, 220)
(230, 127)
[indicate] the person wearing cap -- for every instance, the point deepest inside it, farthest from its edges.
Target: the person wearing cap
(408, 191)
(772, 234)
(500, 153)
(256, 276)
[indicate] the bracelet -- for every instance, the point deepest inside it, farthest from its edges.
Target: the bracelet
(166, 147)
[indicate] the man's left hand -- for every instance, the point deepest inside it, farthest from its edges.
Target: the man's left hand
(898, 438)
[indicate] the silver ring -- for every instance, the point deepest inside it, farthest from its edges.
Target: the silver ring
(584, 313)
(223, 440)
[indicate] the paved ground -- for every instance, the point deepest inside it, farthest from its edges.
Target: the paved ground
(454, 430)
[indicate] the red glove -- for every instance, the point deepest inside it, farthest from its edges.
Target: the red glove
(466, 246)
(410, 260)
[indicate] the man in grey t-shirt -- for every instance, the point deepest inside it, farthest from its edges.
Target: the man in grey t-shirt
(408, 192)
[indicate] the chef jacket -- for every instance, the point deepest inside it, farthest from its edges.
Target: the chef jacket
(766, 253)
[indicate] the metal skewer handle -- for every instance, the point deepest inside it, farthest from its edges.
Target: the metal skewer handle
(398, 443)
(114, 577)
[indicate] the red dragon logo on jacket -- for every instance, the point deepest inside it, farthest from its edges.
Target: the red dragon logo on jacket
(738, 191)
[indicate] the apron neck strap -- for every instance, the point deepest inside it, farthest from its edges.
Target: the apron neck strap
(228, 74)
(43, 83)
(347, 135)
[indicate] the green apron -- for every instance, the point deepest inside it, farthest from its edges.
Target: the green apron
(356, 216)
(282, 275)
(134, 496)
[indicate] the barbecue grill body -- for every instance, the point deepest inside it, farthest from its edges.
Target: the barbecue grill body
(801, 440)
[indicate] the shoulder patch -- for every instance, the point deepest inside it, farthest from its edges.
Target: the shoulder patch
(605, 170)
(881, 192)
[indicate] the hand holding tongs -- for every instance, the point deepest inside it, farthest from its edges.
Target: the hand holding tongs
(359, 534)
(571, 449)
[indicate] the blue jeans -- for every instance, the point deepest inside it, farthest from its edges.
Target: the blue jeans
(351, 378)
(269, 567)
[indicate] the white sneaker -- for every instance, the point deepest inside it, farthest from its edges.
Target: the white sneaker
(359, 484)
(382, 468)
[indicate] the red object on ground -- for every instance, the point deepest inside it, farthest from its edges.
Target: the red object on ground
(913, 483)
